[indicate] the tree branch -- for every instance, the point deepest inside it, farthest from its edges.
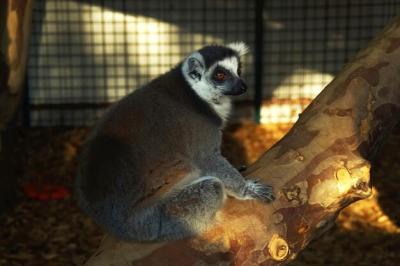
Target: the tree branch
(318, 168)
(15, 24)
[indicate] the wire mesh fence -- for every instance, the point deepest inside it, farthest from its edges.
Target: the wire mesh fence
(84, 55)
(307, 43)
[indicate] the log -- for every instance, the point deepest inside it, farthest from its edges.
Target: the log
(321, 166)
(15, 21)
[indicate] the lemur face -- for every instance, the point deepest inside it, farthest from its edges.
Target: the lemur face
(224, 76)
(214, 71)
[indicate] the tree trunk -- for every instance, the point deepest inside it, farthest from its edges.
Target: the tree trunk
(15, 20)
(317, 169)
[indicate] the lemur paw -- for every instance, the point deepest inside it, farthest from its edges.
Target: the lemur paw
(242, 168)
(256, 190)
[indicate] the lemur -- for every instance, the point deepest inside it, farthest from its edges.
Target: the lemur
(152, 168)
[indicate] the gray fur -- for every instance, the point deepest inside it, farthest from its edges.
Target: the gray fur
(152, 170)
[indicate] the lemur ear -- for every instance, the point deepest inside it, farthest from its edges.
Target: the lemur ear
(195, 67)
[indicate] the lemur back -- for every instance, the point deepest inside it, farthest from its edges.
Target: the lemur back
(141, 121)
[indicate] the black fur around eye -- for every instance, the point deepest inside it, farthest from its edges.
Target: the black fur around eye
(221, 75)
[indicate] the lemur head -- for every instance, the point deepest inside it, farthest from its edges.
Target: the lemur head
(213, 72)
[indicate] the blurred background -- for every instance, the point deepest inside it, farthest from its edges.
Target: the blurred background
(85, 55)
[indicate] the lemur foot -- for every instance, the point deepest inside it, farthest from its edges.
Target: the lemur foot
(256, 190)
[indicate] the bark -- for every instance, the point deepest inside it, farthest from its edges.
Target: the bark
(318, 168)
(15, 20)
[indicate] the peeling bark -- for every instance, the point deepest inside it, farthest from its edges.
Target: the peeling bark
(15, 22)
(317, 169)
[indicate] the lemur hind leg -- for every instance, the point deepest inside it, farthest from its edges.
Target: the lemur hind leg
(184, 213)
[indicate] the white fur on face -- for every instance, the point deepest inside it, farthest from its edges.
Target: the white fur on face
(230, 63)
(221, 103)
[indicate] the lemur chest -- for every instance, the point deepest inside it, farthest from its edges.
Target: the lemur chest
(222, 106)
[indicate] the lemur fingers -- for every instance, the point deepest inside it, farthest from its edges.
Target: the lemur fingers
(256, 190)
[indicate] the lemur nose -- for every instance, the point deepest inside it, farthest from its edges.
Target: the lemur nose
(243, 86)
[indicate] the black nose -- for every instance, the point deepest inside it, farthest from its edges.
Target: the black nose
(243, 86)
(237, 89)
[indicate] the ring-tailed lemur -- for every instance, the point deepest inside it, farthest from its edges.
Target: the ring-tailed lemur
(152, 169)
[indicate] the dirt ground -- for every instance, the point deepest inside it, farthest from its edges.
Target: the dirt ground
(47, 228)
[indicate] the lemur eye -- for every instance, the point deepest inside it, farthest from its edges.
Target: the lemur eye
(220, 75)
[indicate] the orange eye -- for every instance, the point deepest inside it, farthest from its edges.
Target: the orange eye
(220, 76)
